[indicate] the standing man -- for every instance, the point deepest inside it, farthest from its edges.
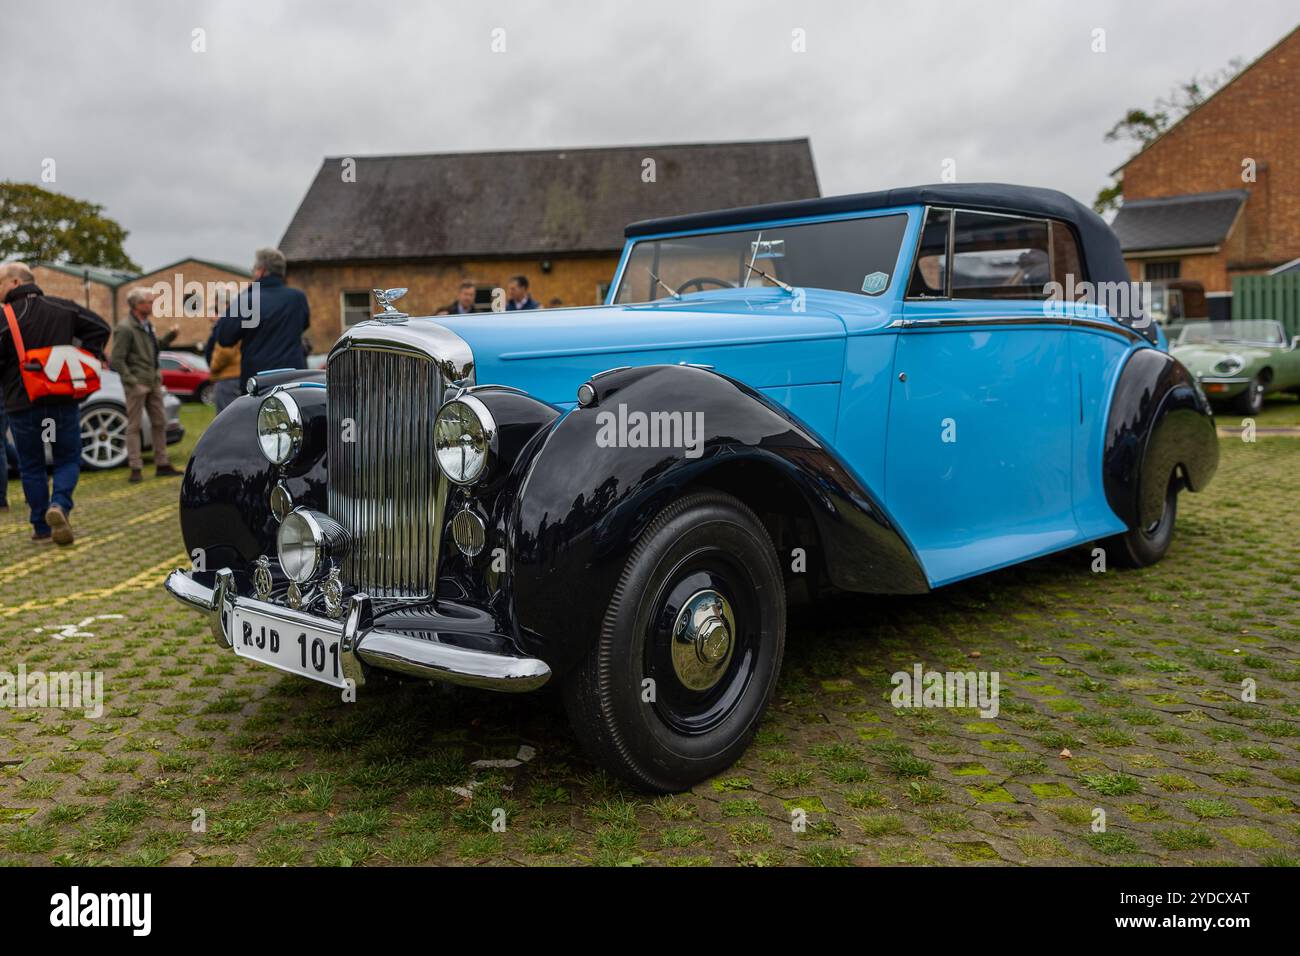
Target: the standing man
(269, 320)
(135, 358)
(517, 296)
(464, 303)
(43, 321)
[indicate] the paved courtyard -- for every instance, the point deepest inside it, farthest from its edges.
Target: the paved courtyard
(203, 759)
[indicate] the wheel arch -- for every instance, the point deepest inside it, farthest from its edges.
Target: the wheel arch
(579, 508)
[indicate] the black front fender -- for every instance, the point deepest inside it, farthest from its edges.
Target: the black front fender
(581, 504)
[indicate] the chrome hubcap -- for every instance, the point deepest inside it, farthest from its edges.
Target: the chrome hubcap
(703, 639)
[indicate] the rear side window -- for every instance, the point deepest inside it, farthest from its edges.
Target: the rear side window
(972, 255)
(999, 257)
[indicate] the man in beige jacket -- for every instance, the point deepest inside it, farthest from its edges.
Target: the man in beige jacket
(135, 358)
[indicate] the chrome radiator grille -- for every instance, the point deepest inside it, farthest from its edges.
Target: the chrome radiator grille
(384, 486)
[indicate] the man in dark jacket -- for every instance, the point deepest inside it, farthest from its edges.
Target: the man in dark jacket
(43, 321)
(517, 295)
(268, 320)
(464, 304)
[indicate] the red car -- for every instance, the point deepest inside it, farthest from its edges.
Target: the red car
(186, 376)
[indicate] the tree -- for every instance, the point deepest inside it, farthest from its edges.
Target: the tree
(37, 225)
(1144, 127)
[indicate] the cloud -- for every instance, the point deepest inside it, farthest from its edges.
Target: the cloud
(209, 153)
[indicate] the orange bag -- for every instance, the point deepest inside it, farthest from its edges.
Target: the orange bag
(59, 371)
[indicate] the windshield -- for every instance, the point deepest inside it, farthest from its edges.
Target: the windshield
(847, 255)
(1252, 332)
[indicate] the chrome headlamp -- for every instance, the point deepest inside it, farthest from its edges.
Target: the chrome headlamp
(464, 440)
(308, 542)
(1230, 365)
(279, 427)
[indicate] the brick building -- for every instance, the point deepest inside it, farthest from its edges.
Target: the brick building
(429, 222)
(90, 286)
(1217, 195)
(196, 291)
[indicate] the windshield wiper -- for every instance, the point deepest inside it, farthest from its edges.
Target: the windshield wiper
(751, 268)
(669, 289)
(784, 285)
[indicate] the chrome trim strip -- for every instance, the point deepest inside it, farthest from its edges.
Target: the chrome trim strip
(1100, 325)
(362, 642)
(1220, 380)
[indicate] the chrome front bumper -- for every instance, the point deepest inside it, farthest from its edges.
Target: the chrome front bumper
(362, 643)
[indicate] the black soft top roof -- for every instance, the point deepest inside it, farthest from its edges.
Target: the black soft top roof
(1103, 260)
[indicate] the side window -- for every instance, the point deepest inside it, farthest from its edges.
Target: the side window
(170, 364)
(930, 273)
(999, 257)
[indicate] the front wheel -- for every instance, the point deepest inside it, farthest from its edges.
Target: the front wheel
(689, 651)
(1251, 401)
(1141, 547)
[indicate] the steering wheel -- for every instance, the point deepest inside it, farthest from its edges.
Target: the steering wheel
(699, 282)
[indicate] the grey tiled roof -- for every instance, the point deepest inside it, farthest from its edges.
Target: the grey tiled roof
(531, 202)
(1177, 222)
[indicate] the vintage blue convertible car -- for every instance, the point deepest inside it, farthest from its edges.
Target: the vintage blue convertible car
(880, 393)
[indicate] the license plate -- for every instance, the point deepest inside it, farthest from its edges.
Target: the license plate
(289, 645)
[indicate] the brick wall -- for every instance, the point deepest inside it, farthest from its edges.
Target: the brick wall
(1257, 116)
(432, 285)
(96, 296)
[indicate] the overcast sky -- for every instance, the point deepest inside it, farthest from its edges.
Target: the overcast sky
(209, 154)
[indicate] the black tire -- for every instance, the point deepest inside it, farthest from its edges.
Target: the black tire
(208, 394)
(1142, 547)
(708, 554)
(1251, 401)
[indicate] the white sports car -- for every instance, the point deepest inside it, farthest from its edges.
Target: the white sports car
(103, 426)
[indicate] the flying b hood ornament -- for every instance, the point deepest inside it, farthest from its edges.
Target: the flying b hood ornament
(386, 298)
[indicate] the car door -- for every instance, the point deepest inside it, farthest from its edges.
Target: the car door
(981, 417)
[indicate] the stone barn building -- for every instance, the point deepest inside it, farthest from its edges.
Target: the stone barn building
(429, 222)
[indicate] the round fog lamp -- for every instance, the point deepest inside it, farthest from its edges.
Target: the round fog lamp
(306, 542)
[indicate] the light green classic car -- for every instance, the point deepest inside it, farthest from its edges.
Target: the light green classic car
(1238, 362)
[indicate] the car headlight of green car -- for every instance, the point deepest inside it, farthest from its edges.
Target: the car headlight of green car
(1230, 365)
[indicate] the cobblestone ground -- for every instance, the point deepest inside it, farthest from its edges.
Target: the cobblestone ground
(1137, 674)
